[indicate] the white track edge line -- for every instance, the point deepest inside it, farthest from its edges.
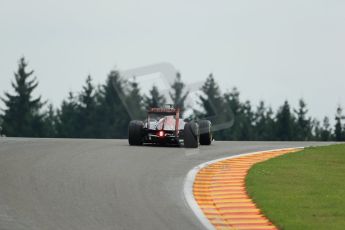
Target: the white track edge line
(189, 182)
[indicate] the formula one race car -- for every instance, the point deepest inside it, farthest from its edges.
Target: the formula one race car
(164, 126)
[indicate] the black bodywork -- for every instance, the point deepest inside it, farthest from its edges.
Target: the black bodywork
(169, 138)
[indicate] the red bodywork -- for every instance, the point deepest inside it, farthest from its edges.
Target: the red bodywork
(166, 112)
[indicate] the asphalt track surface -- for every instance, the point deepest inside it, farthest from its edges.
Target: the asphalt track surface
(72, 184)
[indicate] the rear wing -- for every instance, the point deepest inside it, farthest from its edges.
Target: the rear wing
(163, 111)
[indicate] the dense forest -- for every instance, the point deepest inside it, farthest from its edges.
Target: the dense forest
(104, 111)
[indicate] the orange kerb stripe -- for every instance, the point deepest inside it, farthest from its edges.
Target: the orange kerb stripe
(220, 192)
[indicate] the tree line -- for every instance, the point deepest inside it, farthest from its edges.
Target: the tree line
(104, 111)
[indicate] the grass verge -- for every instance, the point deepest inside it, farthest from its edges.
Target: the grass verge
(302, 190)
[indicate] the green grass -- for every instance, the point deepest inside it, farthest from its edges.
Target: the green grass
(302, 190)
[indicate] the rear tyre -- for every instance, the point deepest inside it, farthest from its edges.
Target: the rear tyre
(191, 135)
(135, 133)
(205, 132)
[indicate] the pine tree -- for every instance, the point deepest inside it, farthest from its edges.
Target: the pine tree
(86, 97)
(284, 123)
(178, 94)
(135, 101)
(233, 112)
(112, 112)
(155, 99)
(50, 122)
(264, 123)
(246, 122)
(232, 99)
(67, 124)
(1, 126)
(270, 125)
(339, 129)
(87, 110)
(260, 121)
(22, 117)
(303, 124)
(212, 100)
(316, 130)
(326, 131)
(213, 105)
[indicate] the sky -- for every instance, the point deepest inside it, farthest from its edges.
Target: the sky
(270, 50)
